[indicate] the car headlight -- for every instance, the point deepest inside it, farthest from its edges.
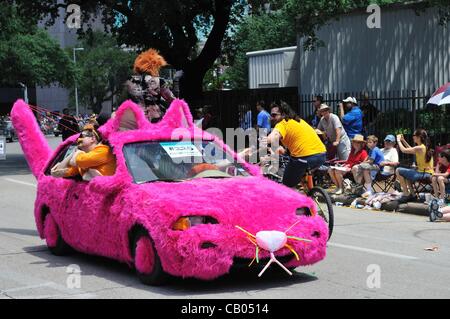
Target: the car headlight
(303, 211)
(186, 222)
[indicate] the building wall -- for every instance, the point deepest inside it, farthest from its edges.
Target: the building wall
(409, 52)
(273, 68)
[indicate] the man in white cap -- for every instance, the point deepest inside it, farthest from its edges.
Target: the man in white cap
(353, 119)
(334, 131)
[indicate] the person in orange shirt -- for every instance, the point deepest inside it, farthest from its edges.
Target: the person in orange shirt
(91, 158)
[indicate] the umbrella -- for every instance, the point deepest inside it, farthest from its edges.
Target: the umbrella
(441, 96)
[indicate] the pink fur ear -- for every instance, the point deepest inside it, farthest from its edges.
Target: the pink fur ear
(129, 116)
(178, 115)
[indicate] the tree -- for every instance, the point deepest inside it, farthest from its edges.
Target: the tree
(173, 27)
(28, 54)
(103, 67)
(257, 32)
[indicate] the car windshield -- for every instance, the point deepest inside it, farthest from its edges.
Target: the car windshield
(179, 161)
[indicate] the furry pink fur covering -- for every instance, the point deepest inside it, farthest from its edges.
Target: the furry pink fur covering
(97, 217)
(32, 141)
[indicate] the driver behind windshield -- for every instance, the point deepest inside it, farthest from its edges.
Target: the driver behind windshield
(91, 158)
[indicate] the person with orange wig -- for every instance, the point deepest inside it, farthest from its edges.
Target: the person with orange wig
(146, 87)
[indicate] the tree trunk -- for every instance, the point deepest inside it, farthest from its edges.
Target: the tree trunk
(191, 85)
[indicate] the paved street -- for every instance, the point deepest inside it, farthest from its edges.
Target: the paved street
(391, 245)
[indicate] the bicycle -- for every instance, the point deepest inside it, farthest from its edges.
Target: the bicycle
(306, 186)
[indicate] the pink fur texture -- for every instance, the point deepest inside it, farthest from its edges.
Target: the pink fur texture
(34, 146)
(99, 217)
(50, 231)
(144, 256)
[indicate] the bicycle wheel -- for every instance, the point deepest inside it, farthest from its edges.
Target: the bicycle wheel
(324, 206)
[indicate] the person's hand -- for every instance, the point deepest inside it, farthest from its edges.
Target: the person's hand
(341, 105)
(280, 150)
(399, 137)
(56, 171)
(263, 141)
(335, 143)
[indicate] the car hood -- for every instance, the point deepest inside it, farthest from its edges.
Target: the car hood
(255, 203)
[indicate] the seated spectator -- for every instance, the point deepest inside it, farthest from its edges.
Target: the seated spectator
(441, 177)
(353, 119)
(334, 132)
(367, 170)
(358, 154)
(390, 156)
(91, 158)
(424, 159)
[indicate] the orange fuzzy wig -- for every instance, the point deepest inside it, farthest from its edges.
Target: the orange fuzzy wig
(149, 62)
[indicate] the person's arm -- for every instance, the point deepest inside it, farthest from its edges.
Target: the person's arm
(407, 149)
(341, 110)
(338, 136)
(274, 137)
(94, 158)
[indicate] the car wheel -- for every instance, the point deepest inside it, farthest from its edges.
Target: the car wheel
(146, 260)
(53, 238)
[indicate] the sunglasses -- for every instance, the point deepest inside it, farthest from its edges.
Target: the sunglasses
(274, 114)
(86, 134)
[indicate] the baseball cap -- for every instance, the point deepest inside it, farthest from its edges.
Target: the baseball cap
(390, 138)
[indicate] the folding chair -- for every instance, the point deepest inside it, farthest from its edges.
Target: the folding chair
(421, 186)
(384, 182)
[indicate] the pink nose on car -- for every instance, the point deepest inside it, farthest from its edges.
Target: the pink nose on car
(271, 240)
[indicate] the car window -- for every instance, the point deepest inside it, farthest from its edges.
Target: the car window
(178, 161)
(60, 156)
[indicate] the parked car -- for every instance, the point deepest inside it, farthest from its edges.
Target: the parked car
(180, 208)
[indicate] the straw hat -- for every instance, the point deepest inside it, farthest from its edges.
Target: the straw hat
(358, 138)
(324, 107)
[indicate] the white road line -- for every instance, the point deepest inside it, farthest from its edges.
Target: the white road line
(19, 182)
(373, 251)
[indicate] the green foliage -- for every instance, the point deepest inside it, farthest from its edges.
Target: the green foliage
(28, 54)
(257, 32)
(103, 67)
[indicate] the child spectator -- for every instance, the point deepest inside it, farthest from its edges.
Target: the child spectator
(367, 170)
(424, 159)
(357, 155)
(441, 177)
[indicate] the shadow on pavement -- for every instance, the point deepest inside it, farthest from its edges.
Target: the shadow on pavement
(112, 270)
(15, 164)
(27, 232)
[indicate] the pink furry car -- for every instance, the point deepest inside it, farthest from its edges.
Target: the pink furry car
(180, 202)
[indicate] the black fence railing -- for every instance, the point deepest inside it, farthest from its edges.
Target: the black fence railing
(391, 112)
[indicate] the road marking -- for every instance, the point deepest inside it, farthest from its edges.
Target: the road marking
(373, 251)
(19, 182)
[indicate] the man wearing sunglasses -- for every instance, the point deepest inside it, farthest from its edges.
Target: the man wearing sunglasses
(305, 147)
(91, 158)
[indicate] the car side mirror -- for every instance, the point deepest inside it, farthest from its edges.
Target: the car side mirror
(106, 184)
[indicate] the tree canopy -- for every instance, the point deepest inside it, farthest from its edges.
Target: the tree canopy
(28, 54)
(103, 67)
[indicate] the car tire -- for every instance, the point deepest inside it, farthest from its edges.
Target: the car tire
(53, 238)
(146, 260)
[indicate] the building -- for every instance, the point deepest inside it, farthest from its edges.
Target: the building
(408, 52)
(275, 68)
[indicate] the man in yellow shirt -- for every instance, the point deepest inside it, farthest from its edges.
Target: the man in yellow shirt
(304, 145)
(92, 158)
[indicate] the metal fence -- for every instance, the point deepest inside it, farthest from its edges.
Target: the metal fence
(396, 111)
(391, 112)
